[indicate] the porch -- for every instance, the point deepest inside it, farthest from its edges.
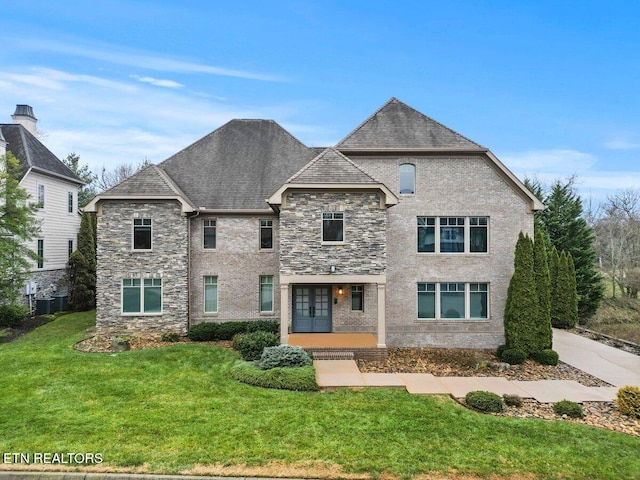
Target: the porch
(339, 346)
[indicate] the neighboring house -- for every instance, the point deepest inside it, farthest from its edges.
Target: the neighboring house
(405, 229)
(54, 188)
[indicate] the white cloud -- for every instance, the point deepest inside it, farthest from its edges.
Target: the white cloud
(157, 82)
(133, 58)
(555, 161)
(622, 144)
(51, 79)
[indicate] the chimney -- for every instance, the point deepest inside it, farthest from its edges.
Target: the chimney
(24, 116)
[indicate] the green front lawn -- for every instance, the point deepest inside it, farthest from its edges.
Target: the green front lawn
(170, 409)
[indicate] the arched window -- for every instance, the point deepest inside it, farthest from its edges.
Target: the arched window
(407, 178)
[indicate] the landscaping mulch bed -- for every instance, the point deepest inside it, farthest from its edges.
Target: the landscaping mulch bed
(28, 324)
(103, 344)
(444, 362)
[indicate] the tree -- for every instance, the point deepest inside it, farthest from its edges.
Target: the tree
(564, 299)
(81, 267)
(109, 179)
(521, 314)
(562, 221)
(18, 225)
(544, 337)
(88, 191)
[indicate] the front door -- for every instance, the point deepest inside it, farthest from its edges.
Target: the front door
(311, 309)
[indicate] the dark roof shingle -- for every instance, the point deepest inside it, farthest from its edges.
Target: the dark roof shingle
(398, 126)
(331, 167)
(31, 153)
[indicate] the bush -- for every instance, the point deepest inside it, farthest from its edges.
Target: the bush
(251, 345)
(203, 332)
(283, 356)
(500, 350)
(171, 337)
(484, 401)
(301, 379)
(513, 400)
(513, 356)
(628, 401)
(12, 314)
(568, 408)
(211, 332)
(546, 357)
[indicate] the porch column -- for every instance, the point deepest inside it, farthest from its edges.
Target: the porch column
(284, 313)
(382, 322)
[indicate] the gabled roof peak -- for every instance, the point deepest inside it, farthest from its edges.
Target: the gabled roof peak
(331, 166)
(396, 125)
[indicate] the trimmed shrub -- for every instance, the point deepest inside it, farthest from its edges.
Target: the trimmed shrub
(568, 408)
(170, 337)
(12, 314)
(513, 400)
(251, 345)
(484, 401)
(546, 357)
(513, 356)
(628, 401)
(300, 379)
(283, 356)
(499, 351)
(203, 332)
(211, 332)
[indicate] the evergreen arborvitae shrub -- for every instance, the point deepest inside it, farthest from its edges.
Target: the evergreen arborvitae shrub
(573, 292)
(484, 401)
(283, 356)
(521, 310)
(628, 401)
(568, 408)
(250, 345)
(513, 356)
(546, 357)
(81, 282)
(544, 335)
(563, 302)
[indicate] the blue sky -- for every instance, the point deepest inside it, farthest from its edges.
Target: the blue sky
(551, 87)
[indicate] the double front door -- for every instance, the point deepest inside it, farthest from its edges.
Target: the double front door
(311, 309)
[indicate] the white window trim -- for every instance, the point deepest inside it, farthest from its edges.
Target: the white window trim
(133, 235)
(273, 288)
(142, 313)
(414, 178)
(215, 227)
(273, 240)
(71, 196)
(467, 235)
(344, 233)
(467, 304)
(204, 296)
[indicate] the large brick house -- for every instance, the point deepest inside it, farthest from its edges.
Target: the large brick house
(405, 229)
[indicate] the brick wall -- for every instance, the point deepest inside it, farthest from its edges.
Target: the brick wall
(117, 261)
(448, 186)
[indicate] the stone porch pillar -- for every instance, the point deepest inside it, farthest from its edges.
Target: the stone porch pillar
(382, 322)
(284, 313)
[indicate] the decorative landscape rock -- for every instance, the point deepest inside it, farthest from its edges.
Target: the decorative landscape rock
(119, 344)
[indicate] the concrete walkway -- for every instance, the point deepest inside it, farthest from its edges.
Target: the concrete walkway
(607, 363)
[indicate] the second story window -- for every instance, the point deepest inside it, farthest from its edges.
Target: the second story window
(142, 234)
(70, 202)
(40, 199)
(209, 233)
(266, 234)
(407, 178)
(333, 227)
(452, 234)
(40, 253)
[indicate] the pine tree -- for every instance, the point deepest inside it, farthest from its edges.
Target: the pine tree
(521, 311)
(544, 336)
(18, 225)
(568, 231)
(554, 262)
(81, 268)
(572, 292)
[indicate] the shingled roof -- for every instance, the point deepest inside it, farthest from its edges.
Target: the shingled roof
(238, 165)
(398, 126)
(331, 167)
(150, 181)
(31, 153)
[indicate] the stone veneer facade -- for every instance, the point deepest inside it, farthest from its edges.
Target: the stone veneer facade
(168, 260)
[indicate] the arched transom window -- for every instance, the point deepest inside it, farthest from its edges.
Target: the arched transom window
(407, 178)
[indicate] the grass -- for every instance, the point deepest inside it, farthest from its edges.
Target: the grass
(175, 409)
(618, 317)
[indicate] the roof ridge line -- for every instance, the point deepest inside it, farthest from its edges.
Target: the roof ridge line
(358, 167)
(367, 119)
(309, 164)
